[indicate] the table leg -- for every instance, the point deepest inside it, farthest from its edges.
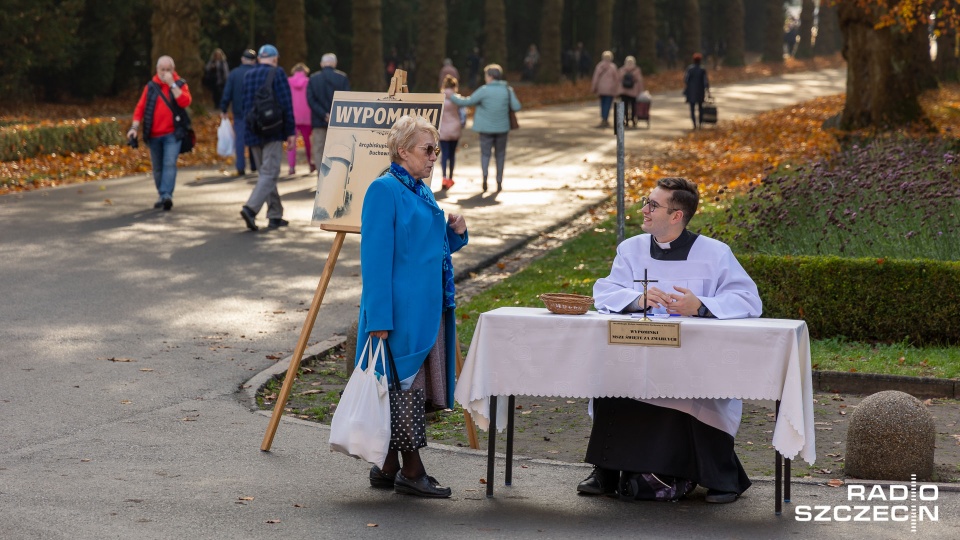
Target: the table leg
(508, 471)
(491, 445)
(778, 474)
(786, 480)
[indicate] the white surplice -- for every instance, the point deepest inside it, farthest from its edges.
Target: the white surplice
(713, 274)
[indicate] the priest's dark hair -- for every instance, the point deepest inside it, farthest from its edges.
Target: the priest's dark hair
(683, 194)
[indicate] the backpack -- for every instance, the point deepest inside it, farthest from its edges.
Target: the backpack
(628, 80)
(265, 116)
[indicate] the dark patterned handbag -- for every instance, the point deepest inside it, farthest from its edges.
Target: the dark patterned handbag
(408, 424)
(652, 487)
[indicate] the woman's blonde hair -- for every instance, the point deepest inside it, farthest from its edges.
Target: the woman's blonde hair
(404, 132)
(299, 66)
(449, 81)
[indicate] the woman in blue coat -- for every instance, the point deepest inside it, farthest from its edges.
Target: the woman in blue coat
(408, 292)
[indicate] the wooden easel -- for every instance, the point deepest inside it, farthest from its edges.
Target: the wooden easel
(398, 84)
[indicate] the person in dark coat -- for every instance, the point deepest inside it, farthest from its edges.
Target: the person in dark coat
(695, 88)
(320, 91)
(233, 96)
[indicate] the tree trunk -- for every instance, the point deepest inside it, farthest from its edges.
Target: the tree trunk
(882, 78)
(290, 25)
(647, 36)
(551, 20)
(690, 40)
(431, 44)
(733, 33)
(829, 39)
(175, 26)
(495, 33)
(947, 65)
(366, 74)
(773, 32)
(805, 47)
(604, 35)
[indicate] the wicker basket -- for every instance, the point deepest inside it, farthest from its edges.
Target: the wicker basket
(567, 304)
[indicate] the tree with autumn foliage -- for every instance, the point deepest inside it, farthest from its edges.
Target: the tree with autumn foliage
(887, 50)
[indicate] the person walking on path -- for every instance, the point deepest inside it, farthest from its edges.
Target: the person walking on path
(606, 85)
(215, 75)
(494, 101)
(320, 98)
(451, 125)
(267, 147)
(408, 295)
(631, 86)
(301, 114)
(448, 69)
(695, 88)
(156, 109)
(233, 96)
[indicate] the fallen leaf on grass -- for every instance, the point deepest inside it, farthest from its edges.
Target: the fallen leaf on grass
(824, 471)
(835, 483)
(308, 392)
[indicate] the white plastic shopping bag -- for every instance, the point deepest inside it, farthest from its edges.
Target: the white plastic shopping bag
(360, 426)
(225, 138)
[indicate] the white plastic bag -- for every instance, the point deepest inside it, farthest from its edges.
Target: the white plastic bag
(360, 426)
(225, 138)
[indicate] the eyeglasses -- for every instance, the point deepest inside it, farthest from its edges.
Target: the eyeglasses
(431, 149)
(654, 205)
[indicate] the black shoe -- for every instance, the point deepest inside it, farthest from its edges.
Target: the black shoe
(159, 204)
(249, 217)
(499, 186)
(380, 480)
(167, 205)
(425, 486)
(484, 184)
(276, 223)
(600, 482)
(720, 497)
(241, 172)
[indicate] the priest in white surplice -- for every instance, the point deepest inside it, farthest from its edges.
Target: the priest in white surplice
(662, 448)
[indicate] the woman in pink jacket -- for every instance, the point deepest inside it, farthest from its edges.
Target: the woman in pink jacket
(301, 114)
(631, 86)
(606, 84)
(451, 124)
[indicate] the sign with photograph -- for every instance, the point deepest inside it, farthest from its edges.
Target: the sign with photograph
(356, 154)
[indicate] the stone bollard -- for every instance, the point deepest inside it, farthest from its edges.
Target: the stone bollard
(891, 436)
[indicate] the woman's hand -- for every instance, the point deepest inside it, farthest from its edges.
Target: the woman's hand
(382, 334)
(457, 223)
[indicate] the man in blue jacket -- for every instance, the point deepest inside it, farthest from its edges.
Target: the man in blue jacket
(320, 98)
(267, 148)
(233, 94)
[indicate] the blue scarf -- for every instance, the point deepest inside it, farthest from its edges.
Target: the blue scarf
(421, 190)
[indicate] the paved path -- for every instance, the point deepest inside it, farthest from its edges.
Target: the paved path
(127, 332)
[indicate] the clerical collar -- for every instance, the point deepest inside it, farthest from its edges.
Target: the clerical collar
(677, 250)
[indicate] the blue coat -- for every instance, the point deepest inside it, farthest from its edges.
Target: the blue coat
(401, 263)
(493, 101)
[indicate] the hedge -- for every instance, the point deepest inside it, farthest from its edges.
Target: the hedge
(25, 141)
(873, 300)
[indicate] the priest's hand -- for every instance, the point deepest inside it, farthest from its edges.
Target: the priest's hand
(657, 298)
(685, 303)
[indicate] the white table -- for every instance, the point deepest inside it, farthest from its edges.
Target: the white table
(530, 351)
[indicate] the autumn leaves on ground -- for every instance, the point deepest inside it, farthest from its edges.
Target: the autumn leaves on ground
(759, 143)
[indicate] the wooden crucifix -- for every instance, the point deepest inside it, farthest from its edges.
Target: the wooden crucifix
(645, 282)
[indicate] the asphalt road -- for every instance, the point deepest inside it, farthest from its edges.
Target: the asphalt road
(128, 332)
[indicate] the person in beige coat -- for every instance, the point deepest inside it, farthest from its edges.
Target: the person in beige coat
(606, 85)
(631, 86)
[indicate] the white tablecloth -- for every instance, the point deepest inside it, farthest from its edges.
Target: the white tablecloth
(532, 352)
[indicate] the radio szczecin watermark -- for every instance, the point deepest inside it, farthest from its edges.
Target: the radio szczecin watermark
(894, 502)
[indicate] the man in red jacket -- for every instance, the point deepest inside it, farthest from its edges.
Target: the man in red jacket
(163, 98)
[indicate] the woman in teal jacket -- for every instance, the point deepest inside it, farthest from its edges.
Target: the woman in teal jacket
(408, 292)
(491, 121)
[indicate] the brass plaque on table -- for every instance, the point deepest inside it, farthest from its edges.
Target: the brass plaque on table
(650, 334)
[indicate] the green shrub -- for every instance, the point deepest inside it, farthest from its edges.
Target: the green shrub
(879, 300)
(25, 141)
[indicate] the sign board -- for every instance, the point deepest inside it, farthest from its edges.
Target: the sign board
(651, 334)
(356, 154)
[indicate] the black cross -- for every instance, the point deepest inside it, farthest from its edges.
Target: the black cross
(645, 282)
